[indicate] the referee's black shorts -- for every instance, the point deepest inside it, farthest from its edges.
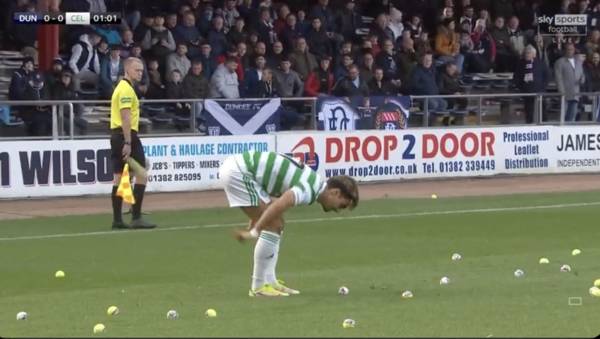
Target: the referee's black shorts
(116, 146)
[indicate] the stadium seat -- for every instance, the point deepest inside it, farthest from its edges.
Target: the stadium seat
(7, 118)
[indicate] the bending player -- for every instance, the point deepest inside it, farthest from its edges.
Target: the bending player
(250, 180)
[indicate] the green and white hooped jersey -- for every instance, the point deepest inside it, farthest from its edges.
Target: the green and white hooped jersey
(277, 173)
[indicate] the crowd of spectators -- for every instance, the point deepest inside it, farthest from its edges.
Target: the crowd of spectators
(263, 48)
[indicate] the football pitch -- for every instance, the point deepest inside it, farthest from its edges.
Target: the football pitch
(384, 247)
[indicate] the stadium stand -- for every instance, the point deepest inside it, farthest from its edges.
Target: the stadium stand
(484, 38)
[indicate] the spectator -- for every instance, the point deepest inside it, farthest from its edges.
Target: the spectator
(483, 55)
(505, 56)
(348, 21)
(468, 18)
(195, 84)
(290, 33)
(224, 81)
(85, 62)
(447, 13)
(525, 11)
(415, 27)
(381, 29)
(423, 45)
(188, 33)
(63, 90)
(386, 59)
(540, 49)
(485, 16)
(175, 90)
(109, 33)
(280, 23)
(209, 62)
(103, 50)
(352, 85)
(230, 14)
(556, 48)
(320, 80)
(569, 76)
(38, 119)
(407, 59)
(274, 58)
(345, 49)
(447, 45)
(395, 23)
(449, 85)
(380, 86)
(303, 22)
(531, 76)
(252, 77)
(178, 60)
(343, 69)
(592, 44)
(20, 79)
(111, 72)
(232, 52)
(591, 68)
(302, 60)
(53, 76)
(367, 67)
(144, 27)
(216, 36)
(423, 82)
(171, 23)
(266, 87)
(517, 39)
(156, 88)
(237, 33)
(265, 27)
(288, 81)
(126, 43)
(159, 41)
(249, 12)
(321, 10)
(317, 39)
(245, 60)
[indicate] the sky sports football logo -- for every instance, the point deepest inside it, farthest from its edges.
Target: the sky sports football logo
(567, 24)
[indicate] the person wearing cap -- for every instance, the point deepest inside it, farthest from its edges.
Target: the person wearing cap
(111, 71)
(85, 62)
(53, 75)
(37, 118)
(19, 79)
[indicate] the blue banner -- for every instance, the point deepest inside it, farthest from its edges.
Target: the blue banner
(377, 112)
(240, 117)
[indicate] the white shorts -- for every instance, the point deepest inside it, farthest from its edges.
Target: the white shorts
(240, 188)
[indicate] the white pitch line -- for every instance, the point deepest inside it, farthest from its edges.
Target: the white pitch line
(311, 220)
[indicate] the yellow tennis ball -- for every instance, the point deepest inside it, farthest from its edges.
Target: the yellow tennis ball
(99, 328)
(211, 313)
(576, 251)
(597, 283)
(434, 196)
(112, 310)
(59, 274)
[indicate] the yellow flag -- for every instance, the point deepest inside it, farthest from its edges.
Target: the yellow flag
(124, 189)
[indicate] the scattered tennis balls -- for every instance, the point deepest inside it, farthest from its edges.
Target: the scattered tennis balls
(112, 310)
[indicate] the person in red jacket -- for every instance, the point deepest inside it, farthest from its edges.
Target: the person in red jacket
(320, 80)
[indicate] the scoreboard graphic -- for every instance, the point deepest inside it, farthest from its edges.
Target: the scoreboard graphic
(67, 18)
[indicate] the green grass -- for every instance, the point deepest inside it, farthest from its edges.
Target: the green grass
(146, 273)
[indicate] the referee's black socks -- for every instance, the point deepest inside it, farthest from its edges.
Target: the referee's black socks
(138, 194)
(117, 204)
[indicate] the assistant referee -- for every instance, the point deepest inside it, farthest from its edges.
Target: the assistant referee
(125, 143)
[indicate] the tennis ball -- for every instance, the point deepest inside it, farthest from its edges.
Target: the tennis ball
(407, 294)
(22, 315)
(544, 261)
(99, 328)
(112, 310)
(59, 274)
(172, 314)
(343, 290)
(348, 323)
(456, 257)
(595, 291)
(519, 273)
(444, 281)
(211, 313)
(576, 251)
(434, 196)
(597, 283)
(565, 268)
